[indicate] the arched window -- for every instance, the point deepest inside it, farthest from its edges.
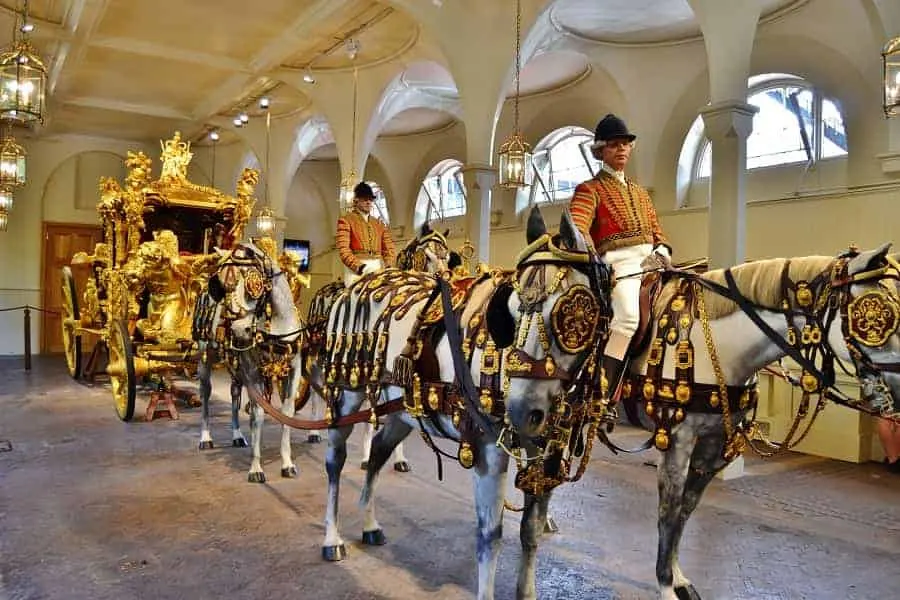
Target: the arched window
(443, 190)
(562, 160)
(784, 102)
(381, 209)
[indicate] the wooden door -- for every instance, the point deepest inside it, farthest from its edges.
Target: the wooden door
(61, 242)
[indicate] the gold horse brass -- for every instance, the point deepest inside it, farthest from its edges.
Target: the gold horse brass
(254, 283)
(873, 317)
(574, 319)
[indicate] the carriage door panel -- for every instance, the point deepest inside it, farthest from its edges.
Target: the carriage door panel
(61, 241)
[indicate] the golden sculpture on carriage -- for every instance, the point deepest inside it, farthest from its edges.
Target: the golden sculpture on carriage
(158, 250)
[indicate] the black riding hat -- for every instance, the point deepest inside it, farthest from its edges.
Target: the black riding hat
(611, 127)
(363, 190)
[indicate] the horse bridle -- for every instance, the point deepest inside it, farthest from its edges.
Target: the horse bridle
(414, 257)
(259, 274)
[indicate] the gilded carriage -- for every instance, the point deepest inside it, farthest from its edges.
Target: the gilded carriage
(158, 250)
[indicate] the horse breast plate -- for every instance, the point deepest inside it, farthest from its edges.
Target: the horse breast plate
(873, 317)
(574, 319)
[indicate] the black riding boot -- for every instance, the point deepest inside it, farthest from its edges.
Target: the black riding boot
(613, 369)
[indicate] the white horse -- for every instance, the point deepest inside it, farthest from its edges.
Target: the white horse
(389, 311)
(696, 380)
(428, 252)
(255, 304)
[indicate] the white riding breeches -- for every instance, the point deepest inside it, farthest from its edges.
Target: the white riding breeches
(626, 295)
(350, 277)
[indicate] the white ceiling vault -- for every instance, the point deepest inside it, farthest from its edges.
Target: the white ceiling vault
(140, 69)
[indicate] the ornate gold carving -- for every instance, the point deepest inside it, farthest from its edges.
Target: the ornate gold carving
(434, 402)
(661, 440)
(683, 392)
(549, 366)
(574, 319)
(649, 391)
(873, 317)
(486, 400)
(176, 155)
(254, 283)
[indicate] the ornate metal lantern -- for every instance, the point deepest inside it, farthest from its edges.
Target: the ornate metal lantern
(23, 83)
(891, 61)
(4, 220)
(515, 158)
(265, 222)
(12, 163)
(345, 192)
(6, 199)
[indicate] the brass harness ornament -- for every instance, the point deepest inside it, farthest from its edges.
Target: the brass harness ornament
(873, 317)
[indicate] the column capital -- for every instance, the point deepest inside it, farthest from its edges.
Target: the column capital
(732, 118)
(481, 171)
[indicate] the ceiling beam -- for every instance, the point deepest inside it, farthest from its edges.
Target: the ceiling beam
(150, 49)
(289, 42)
(150, 110)
(80, 22)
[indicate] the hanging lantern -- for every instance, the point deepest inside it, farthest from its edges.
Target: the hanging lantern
(891, 60)
(345, 192)
(515, 159)
(6, 199)
(515, 162)
(23, 83)
(4, 220)
(265, 222)
(12, 163)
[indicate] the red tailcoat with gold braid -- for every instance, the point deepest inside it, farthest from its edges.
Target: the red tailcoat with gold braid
(615, 215)
(358, 238)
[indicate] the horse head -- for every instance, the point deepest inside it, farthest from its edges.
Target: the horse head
(552, 321)
(429, 251)
(865, 294)
(256, 297)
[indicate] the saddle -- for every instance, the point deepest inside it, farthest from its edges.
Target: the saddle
(651, 285)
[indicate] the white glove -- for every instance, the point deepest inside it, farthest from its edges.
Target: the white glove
(370, 268)
(656, 261)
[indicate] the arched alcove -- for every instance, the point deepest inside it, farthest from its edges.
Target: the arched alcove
(71, 192)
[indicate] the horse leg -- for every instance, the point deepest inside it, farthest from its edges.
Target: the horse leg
(387, 439)
(706, 461)
(368, 432)
(288, 391)
(314, 436)
(671, 478)
(401, 465)
(533, 526)
(335, 456)
(490, 492)
(204, 375)
(237, 438)
(256, 474)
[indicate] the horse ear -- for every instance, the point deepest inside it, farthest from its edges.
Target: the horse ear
(868, 261)
(426, 229)
(536, 226)
(569, 233)
(447, 232)
(215, 289)
(501, 325)
(455, 259)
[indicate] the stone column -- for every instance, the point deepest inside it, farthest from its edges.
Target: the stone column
(728, 124)
(479, 180)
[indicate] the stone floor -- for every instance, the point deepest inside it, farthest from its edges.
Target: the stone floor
(94, 508)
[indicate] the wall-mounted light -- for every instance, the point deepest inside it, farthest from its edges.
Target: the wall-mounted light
(264, 103)
(308, 76)
(244, 117)
(214, 135)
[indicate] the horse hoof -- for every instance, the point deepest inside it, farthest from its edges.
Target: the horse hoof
(206, 445)
(289, 472)
(374, 538)
(550, 526)
(313, 438)
(334, 553)
(239, 443)
(402, 467)
(256, 477)
(364, 465)
(687, 592)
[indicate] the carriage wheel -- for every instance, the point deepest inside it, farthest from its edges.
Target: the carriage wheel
(121, 369)
(71, 318)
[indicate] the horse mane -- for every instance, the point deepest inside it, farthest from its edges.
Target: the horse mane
(759, 281)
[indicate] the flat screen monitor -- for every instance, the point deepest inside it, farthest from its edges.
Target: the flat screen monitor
(299, 249)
